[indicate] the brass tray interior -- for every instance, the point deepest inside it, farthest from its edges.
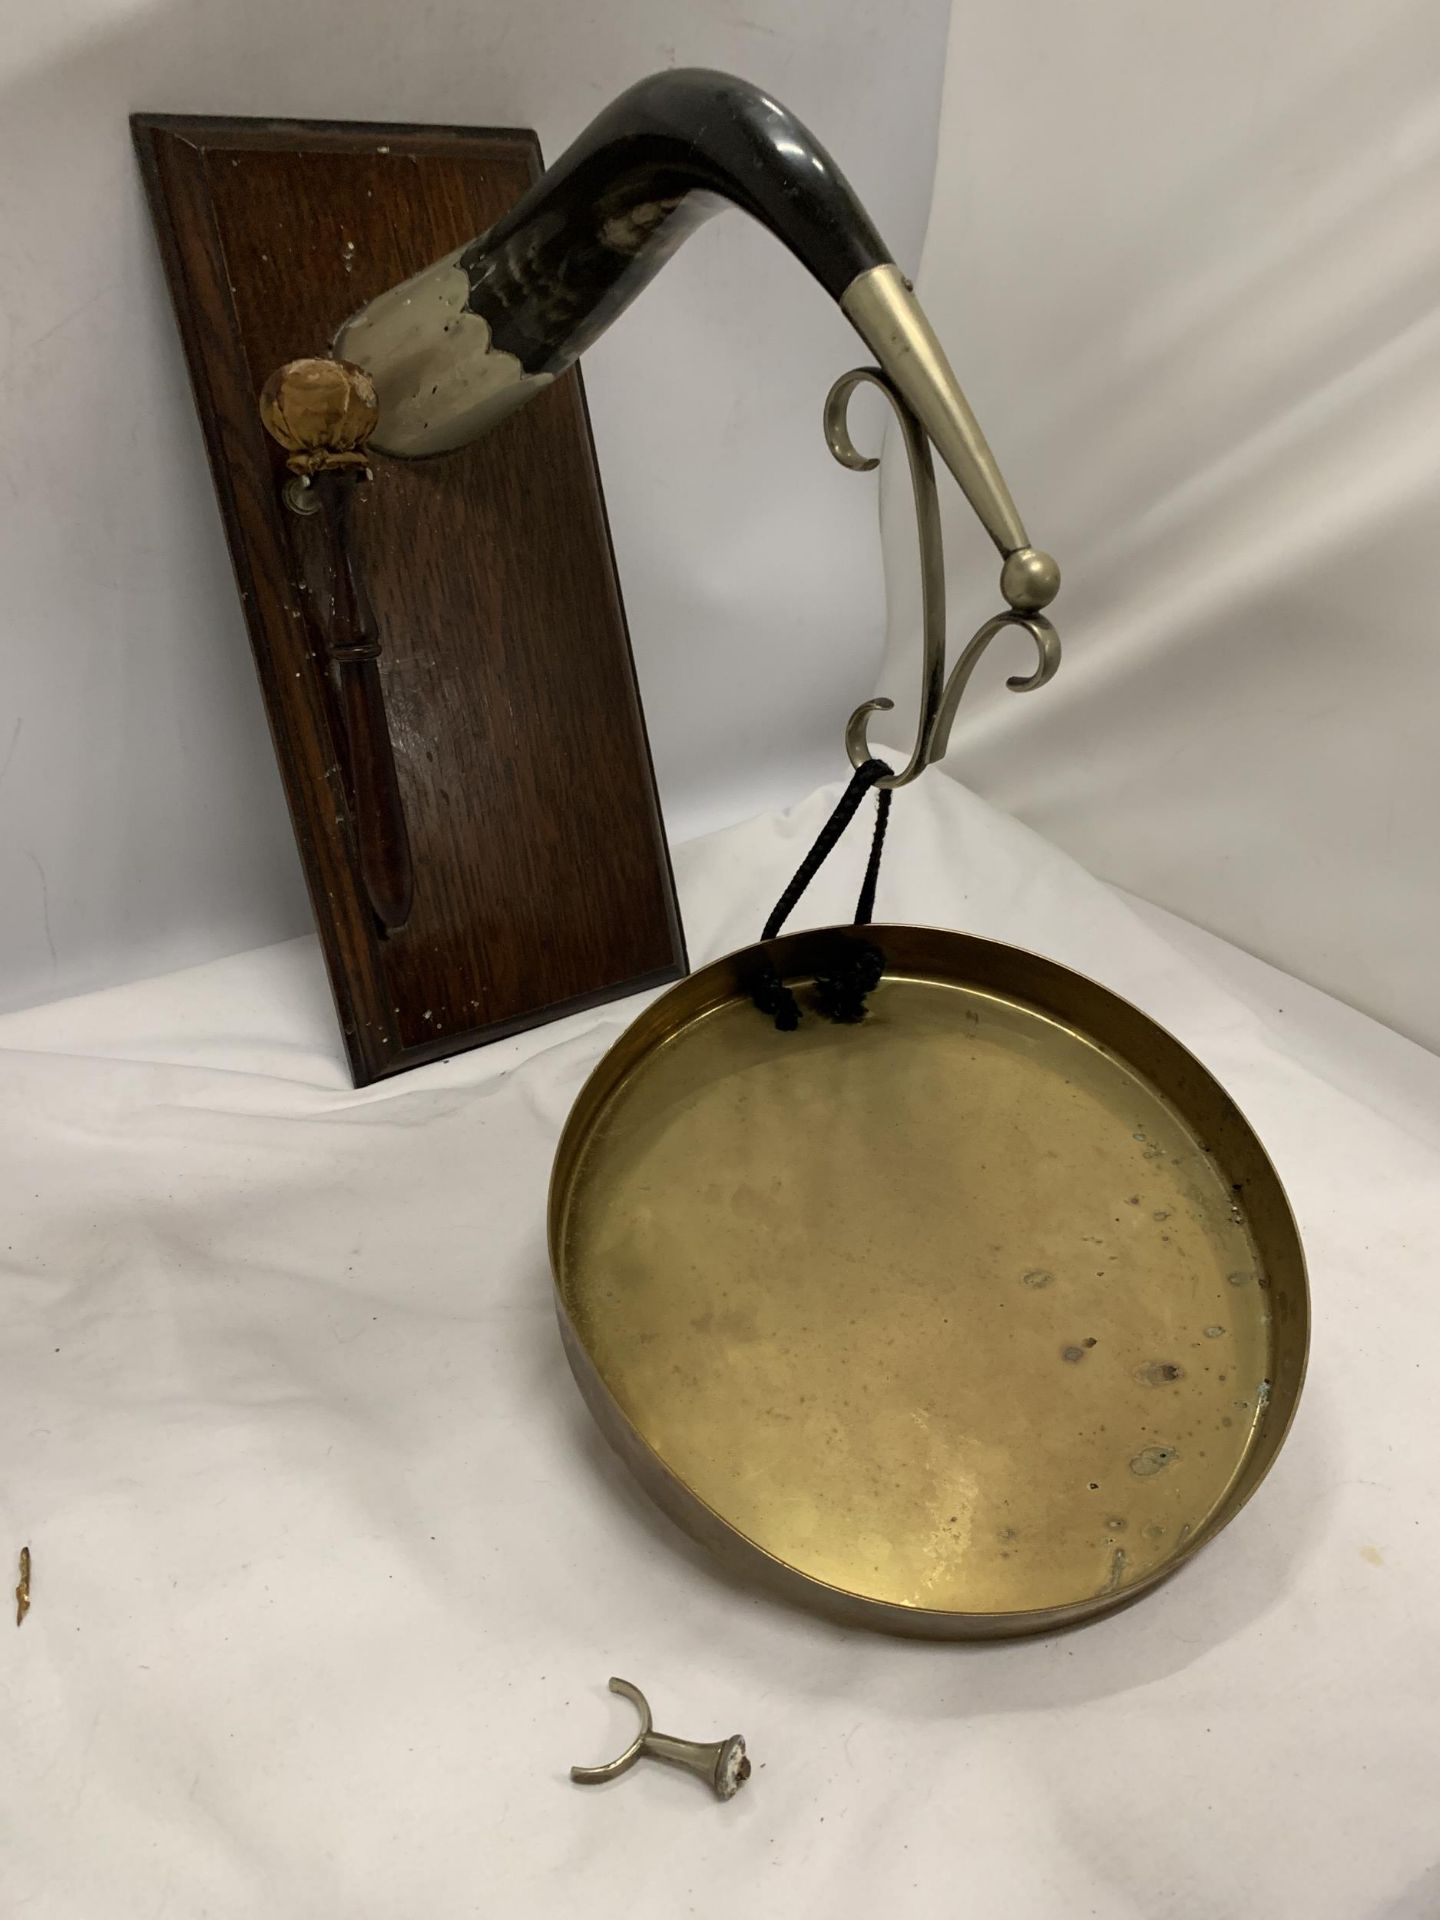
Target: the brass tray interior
(975, 1318)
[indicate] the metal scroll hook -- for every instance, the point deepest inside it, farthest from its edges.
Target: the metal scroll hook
(1029, 580)
(1047, 645)
(932, 563)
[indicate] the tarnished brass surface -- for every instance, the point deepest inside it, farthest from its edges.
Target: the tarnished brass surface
(976, 1318)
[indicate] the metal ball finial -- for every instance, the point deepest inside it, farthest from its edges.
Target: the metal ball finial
(322, 412)
(1029, 579)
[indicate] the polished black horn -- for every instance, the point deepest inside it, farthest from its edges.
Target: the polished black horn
(461, 345)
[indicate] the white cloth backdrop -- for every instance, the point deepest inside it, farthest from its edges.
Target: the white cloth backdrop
(1187, 263)
(331, 1566)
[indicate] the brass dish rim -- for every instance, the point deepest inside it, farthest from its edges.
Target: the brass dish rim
(793, 955)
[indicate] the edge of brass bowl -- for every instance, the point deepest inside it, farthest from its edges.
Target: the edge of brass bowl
(1096, 1015)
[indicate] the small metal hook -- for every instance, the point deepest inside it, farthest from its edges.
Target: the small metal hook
(1047, 645)
(722, 1764)
(932, 563)
(1029, 580)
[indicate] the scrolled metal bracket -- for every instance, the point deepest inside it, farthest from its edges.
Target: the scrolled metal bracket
(1029, 580)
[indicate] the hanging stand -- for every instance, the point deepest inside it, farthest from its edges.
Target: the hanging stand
(1029, 580)
(851, 969)
(975, 1318)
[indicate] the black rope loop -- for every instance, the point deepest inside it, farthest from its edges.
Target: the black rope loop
(851, 969)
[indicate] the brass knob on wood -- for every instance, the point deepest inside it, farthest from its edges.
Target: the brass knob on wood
(323, 413)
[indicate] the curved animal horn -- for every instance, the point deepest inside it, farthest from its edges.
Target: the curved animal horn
(461, 345)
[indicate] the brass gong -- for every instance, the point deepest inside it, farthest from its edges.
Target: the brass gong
(974, 1316)
(974, 1319)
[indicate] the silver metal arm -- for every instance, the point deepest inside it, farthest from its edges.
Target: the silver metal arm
(939, 697)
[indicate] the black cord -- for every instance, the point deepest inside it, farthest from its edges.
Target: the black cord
(850, 969)
(865, 906)
(826, 841)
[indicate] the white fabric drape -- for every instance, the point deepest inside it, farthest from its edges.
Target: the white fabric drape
(331, 1565)
(1186, 261)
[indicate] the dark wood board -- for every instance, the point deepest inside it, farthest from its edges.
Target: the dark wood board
(542, 878)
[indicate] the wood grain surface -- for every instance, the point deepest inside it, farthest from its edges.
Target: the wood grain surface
(542, 880)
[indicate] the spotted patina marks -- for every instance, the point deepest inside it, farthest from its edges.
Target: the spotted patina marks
(1159, 1373)
(1077, 1349)
(1153, 1460)
(1038, 1277)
